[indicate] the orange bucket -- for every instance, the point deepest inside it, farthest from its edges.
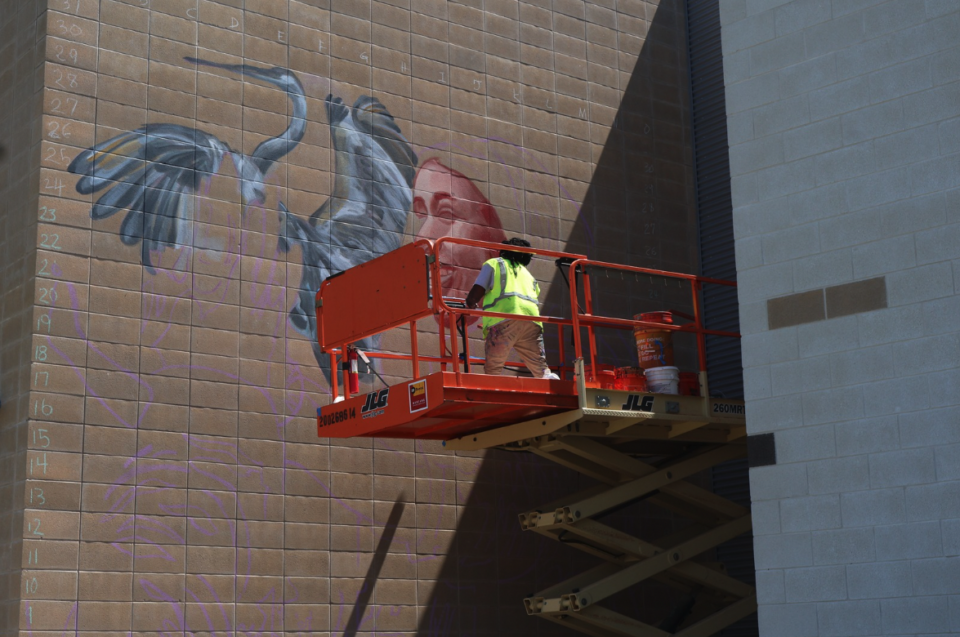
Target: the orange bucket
(630, 379)
(607, 379)
(605, 375)
(654, 347)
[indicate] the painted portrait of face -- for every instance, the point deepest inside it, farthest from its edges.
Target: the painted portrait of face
(450, 205)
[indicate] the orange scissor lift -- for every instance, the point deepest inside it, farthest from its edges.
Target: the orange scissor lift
(635, 445)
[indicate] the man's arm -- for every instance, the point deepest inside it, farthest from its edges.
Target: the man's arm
(480, 286)
(476, 294)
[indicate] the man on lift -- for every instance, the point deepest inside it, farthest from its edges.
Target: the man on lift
(505, 285)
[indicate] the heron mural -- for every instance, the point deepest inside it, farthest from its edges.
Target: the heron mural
(155, 177)
(153, 172)
(365, 215)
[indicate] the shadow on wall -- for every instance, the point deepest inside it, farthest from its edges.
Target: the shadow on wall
(491, 565)
(373, 572)
(638, 210)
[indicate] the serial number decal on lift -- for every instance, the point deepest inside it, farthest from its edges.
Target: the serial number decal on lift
(337, 416)
(636, 402)
(725, 408)
(375, 403)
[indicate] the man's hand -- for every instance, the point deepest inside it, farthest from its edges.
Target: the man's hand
(476, 294)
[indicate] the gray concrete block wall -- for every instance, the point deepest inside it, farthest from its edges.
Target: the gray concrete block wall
(844, 131)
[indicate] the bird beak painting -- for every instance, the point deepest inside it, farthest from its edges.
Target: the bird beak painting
(153, 176)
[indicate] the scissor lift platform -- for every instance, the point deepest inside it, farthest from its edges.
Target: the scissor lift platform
(437, 407)
(481, 412)
(635, 445)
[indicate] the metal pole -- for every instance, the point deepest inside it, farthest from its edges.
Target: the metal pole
(443, 344)
(346, 381)
(453, 348)
(466, 344)
(575, 315)
(414, 350)
(563, 358)
(695, 287)
(334, 378)
(588, 301)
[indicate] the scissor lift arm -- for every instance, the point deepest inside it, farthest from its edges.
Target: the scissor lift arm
(636, 446)
(606, 444)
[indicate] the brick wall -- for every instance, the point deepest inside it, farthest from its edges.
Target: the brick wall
(159, 426)
(843, 120)
(20, 101)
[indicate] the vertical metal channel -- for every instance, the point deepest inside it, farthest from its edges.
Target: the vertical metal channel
(714, 204)
(717, 259)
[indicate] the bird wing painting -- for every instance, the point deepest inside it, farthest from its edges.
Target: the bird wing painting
(365, 216)
(153, 172)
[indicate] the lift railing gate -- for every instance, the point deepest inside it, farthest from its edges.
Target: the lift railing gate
(643, 451)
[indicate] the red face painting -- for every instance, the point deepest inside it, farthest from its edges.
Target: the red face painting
(452, 206)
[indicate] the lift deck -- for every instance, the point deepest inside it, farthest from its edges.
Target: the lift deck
(635, 445)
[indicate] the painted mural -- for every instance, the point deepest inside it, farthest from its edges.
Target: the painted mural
(154, 178)
(153, 172)
(175, 375)
(450, 205)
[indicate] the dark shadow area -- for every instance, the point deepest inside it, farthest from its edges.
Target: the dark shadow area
(718, 259)
(640, 209)
(492, 565)
(373, 573)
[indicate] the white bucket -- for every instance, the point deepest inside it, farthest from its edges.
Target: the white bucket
(663, 380)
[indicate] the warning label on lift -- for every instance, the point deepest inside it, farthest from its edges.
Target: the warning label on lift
(418, 396)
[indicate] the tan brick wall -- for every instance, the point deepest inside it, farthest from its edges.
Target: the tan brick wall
(161, 417)
(20, 101)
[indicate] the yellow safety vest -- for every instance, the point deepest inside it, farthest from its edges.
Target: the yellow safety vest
(514, 291)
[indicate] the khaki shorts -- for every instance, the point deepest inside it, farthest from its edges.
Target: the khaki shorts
(526, 337)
